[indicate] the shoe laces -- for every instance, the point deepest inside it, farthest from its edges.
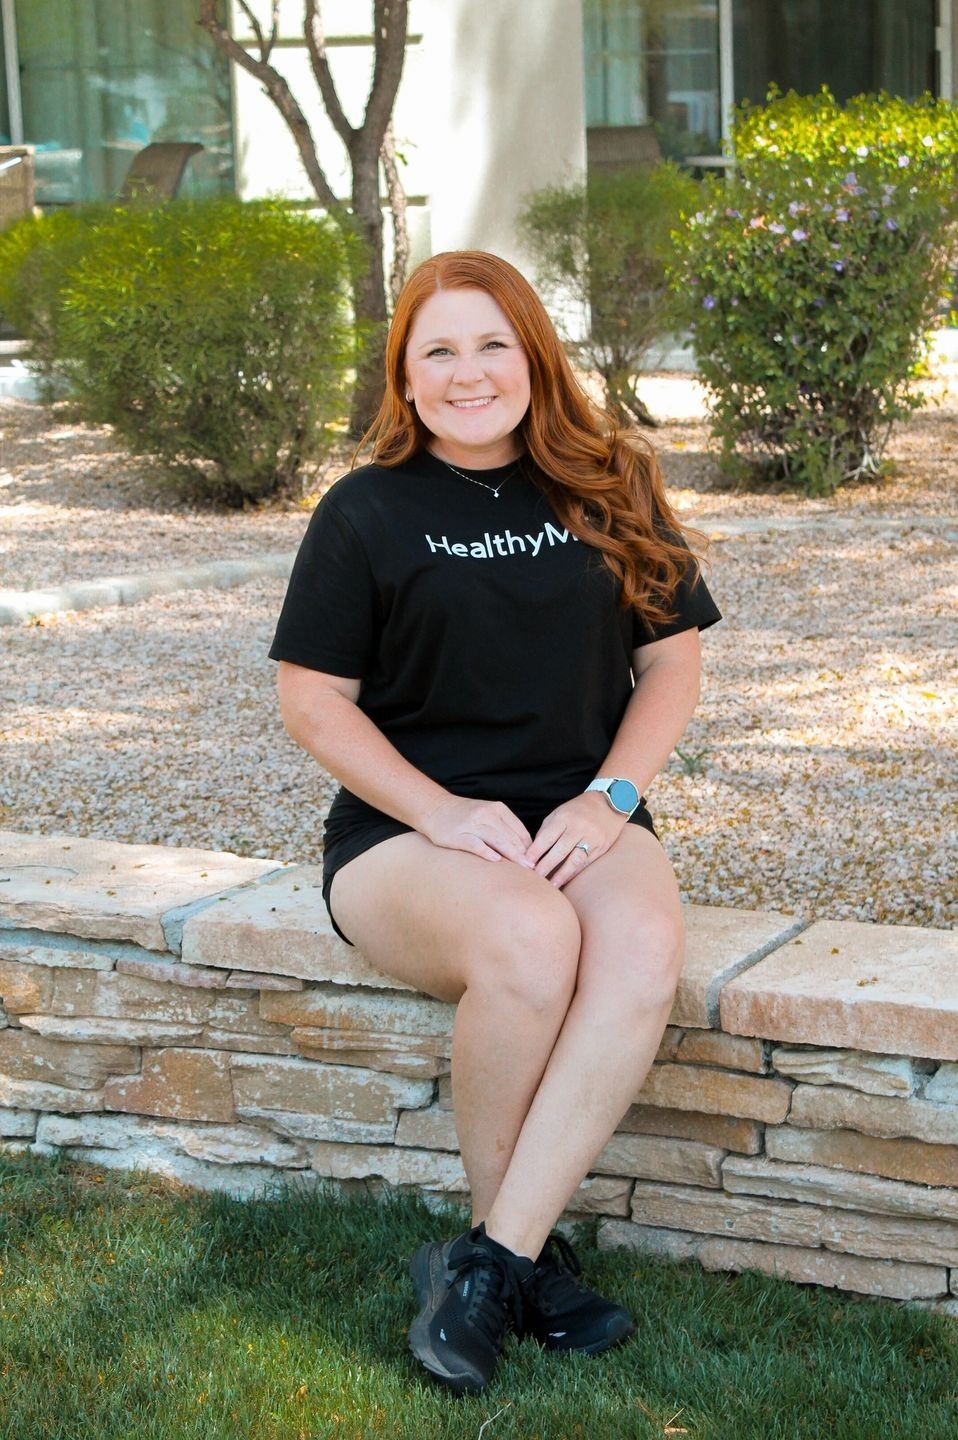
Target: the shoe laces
(496, 1295)
(557, 1270)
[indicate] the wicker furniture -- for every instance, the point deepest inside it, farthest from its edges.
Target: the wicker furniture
(156, 171)
(16, 182)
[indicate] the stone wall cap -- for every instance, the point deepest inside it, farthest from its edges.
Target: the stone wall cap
(279, 927)
(101, 889)
(890, 989)
(720, 945)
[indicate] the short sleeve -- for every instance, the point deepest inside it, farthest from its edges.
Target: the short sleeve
(692, 608)
(330, 616)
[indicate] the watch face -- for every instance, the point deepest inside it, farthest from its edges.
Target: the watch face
(624, 796)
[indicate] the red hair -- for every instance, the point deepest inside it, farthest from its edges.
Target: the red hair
(602, 481)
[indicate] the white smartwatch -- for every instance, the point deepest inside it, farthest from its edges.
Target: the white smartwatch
(621, 794)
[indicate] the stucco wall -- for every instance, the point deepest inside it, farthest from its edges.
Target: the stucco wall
(490, 107)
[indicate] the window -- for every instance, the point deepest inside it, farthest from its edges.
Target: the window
(852, 46)
(652, 67)
(99, 79)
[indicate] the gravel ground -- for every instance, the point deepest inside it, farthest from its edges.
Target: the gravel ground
(818, 776)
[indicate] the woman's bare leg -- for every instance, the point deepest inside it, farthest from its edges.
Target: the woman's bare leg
(627, 902)
(494, 937)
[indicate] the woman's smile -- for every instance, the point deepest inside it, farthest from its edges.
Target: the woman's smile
(468, 377)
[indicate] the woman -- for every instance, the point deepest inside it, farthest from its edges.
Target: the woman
(458, 646)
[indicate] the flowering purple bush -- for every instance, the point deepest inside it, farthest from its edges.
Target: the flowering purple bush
(812, 278)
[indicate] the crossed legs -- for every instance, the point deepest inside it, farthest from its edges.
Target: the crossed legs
(562, 1000)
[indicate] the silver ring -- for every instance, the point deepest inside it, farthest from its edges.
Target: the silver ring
(582, 846)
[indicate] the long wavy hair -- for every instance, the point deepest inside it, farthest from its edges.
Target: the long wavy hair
(602, 481)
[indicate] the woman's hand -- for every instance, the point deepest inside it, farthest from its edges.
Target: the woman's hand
(573, 835)
(482, 827)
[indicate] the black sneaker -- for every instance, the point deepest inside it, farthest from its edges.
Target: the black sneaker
(562, 1313)
(469, 1291)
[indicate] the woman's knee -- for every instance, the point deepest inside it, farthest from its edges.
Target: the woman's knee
(642, 964)
(529, 950)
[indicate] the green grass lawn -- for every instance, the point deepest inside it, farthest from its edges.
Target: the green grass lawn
(129, 1309)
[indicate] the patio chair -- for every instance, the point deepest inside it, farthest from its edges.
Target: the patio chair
(16, 183)
(156, 171)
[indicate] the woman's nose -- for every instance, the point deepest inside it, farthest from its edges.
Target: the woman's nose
(468, 369)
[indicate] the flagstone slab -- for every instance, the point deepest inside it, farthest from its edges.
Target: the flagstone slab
(280, 927)
(102, 890)
(720, 945)
(892, 989)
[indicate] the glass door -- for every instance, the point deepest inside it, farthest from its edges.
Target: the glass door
(852, 46)
(100, 79)
(651, 78)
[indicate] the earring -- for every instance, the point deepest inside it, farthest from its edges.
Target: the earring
(408, 398)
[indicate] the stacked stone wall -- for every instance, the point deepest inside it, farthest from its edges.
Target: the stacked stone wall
(193, 1014)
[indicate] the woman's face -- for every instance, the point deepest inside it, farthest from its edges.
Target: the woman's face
(468, 377)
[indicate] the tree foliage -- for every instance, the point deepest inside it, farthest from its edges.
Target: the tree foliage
(602, 246)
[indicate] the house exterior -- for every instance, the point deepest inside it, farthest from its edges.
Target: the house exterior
(496, 99)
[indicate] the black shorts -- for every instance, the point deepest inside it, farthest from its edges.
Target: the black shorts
(353, 827)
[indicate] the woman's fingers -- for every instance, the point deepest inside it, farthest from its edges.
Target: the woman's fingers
(573, 864)
(574, 835)
(485, 828)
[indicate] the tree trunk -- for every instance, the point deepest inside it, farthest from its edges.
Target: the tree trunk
(624, 401)
(397, 206)
(365, 144)
(369, 292)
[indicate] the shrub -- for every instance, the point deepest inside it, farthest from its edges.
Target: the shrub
(212, 334)
(35, 257)
(812, 278)
(602, 246)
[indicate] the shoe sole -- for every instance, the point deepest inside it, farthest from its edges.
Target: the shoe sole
(607, 1342)
(431, 1280)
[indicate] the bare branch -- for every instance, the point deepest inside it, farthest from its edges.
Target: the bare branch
(316, 45)
(282, 97)
(390, 18)
(273, 25)
(397, 206)
(257, 30)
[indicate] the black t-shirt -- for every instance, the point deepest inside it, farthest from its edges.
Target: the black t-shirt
(490, 643)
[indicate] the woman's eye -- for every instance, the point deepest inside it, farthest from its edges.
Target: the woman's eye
(495, 345)
(439, 350)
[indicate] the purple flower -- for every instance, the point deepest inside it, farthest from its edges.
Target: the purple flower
(796, 207)
(850, 179)
(799, 234)
(709, 302)
(904, 161)
(776, 228)
(842, 214)
(891, 224)
(733, 214)
(827, 209)
(838, 266)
